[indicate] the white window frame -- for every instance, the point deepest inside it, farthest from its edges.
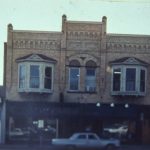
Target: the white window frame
(78, 78)
(19, 66)
(121, 78)
(86, 87)
(42, 66)
(123, 91)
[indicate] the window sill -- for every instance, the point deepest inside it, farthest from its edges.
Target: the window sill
(83, 92)
(118, 93)
(35, 91)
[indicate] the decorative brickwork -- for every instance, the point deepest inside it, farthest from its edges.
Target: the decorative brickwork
(36, 44)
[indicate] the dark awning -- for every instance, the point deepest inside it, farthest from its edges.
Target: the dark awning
(67, 110)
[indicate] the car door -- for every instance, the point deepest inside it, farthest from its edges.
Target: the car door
(93, 141)
(81, 140)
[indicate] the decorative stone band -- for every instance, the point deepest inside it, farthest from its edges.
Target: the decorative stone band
(83, 35)
(83, 45)
(36, 44)
(127, 46)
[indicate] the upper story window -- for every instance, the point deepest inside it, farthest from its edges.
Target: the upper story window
(128, 77)
(35, 73)
(22, 76)
(90, 78)
(34, 76)
(74, 75)
(48, 77)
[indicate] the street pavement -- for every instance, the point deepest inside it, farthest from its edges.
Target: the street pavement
(50, 147)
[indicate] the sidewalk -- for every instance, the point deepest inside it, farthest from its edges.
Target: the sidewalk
(50, 147)
(135, 147)
(24, 147)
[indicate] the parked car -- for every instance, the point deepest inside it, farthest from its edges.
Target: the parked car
(117, 129)
(87, 140)
(16, 132)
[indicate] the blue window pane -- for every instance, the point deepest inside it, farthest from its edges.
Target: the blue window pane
(90, 80)
(116, 79)
(22, 76)
(130, 79)
(34, 71)
(90, 71)
(142, 81)
(48, 78)
(34, 76)
(74, 78)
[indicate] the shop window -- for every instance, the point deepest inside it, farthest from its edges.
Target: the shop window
(28, 129)
(124, 130)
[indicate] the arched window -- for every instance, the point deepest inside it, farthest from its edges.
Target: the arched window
(74, 63)
(90, 78)
(74, 75)
(91, 64)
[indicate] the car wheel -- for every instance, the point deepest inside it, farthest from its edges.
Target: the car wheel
(110, 147)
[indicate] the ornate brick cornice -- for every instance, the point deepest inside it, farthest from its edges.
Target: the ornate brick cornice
(36, 44)
(127, 42)
(128, 46)
(89, 35)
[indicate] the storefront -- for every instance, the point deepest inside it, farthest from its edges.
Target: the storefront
(2, 115)
(51, 120)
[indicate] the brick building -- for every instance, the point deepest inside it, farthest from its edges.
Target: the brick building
(2, 114)
(79, 78)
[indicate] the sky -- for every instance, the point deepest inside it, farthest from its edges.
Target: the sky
(123, 16)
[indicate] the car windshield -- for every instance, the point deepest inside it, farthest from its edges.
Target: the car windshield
(78, 136)
(73, 136)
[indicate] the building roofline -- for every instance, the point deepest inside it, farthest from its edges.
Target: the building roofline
(89, 22)
(126, 35)
(33, 31)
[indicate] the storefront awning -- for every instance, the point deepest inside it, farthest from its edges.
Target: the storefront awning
(67, 110)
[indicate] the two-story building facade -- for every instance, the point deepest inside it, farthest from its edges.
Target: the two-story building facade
(77, 79)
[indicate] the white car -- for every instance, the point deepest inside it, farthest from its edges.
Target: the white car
(87, 140)
(16, 132)
(121, 130)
